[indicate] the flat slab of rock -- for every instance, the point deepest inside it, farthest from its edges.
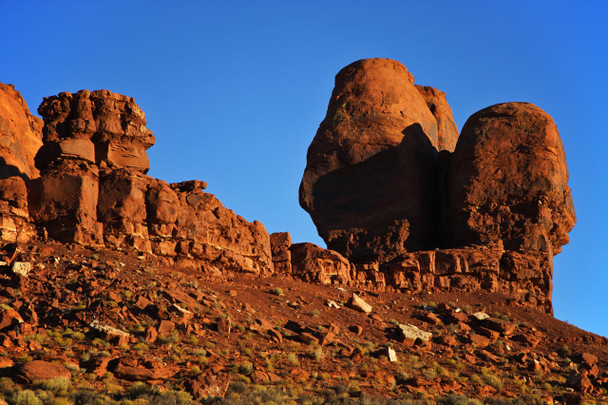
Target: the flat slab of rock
(411, 333)
(357, 303)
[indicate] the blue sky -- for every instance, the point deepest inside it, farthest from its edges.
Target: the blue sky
(235, 90)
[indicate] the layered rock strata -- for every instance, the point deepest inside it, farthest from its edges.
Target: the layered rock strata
(92, 189)
(493, 203)
(20, 139)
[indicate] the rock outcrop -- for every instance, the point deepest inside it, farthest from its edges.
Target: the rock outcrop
(314, 264)
(93, 189)
(20, 139)
(370, 182)
(447, 131)
(102, 127)
(488, 211)
(508, 181)
(20, 135)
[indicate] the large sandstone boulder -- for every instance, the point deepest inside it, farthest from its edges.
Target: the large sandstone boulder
(508, 181)
(20, 135)
(370, 182)
(99, 126)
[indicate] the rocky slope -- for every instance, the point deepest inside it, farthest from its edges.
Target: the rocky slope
(119, 287)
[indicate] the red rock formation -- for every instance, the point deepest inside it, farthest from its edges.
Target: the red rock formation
(20, 135)
(383, 201)
(99, 126)
(369, 182)
(20, 138)
(14, 215)
(447, 131)
(508, 181)
(93, 191)
(64, 199)
(194, 226)
(281, 255)
(314, 264)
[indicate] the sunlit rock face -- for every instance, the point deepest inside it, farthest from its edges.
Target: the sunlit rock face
(391, 185)
(370, 182)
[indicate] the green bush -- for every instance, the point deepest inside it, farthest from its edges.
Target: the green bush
(25, 397)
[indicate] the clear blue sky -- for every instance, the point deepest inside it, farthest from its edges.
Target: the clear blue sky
(235, 90)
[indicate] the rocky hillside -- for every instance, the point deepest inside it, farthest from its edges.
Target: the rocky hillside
(121, 288)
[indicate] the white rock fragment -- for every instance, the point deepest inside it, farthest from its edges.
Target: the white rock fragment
(480, 316)
(357, 303)
(332, 304)
(22, 268)
(412, 332)
(391, 354)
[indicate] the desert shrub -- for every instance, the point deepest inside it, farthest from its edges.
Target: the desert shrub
(153, 395)
(245, 368)
(25, 397)
(7, 386)
(492, 380)
(292, 359)
(58, 386)
(564, 351)
(454, 399)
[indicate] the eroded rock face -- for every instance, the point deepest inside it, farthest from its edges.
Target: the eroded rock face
(314, 264)
(15, 223)
(281, 255)
(64, 202)
(369, 183)
(508, 181)
(99, 126)
(447, 131)
(20, 135)
(20, 138)
(490, 215)
(93, 190)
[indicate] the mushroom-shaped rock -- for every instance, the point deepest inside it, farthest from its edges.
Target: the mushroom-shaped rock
(508, 181)
(370, 183)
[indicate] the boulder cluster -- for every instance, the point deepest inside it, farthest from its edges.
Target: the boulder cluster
(391, 185)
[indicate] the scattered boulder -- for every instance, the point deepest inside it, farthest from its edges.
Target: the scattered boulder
(22, 268)
(147, 371)
(357, 303)
(410, 333)
(39, 370)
